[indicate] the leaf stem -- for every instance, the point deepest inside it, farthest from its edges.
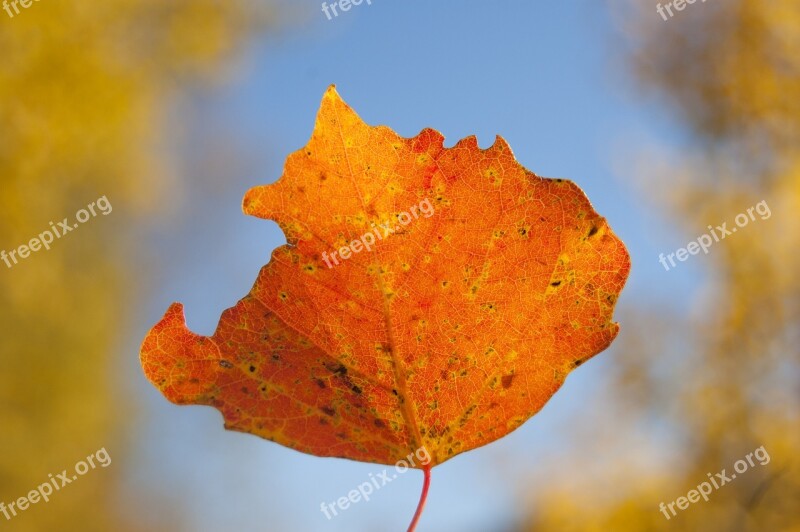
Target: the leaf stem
(422, 498)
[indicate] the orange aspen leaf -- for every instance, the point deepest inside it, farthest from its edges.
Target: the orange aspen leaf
(427, 297)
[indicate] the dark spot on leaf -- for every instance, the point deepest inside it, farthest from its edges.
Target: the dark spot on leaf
(252, 369)
(555, 283)
(356, 389)
(225, 364)
(506, 381)
(328, 410)
(379, 423)
(320, 383)
(336, 369)
(593, 230)
(465, 417)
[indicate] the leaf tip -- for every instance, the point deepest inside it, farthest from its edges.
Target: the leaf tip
(331, 94)
(250, 201)
(501, 145)
(173, 317)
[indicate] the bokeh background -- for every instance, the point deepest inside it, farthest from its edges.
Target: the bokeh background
(172, 110)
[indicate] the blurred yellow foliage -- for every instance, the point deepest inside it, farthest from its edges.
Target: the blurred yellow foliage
(713, 386)
(84, 90)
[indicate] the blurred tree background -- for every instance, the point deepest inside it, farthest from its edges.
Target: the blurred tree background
(85, 92)
(709, 387)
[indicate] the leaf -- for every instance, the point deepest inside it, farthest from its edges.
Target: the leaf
(449, 332)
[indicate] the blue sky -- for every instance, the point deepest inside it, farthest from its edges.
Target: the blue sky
(544, 75)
